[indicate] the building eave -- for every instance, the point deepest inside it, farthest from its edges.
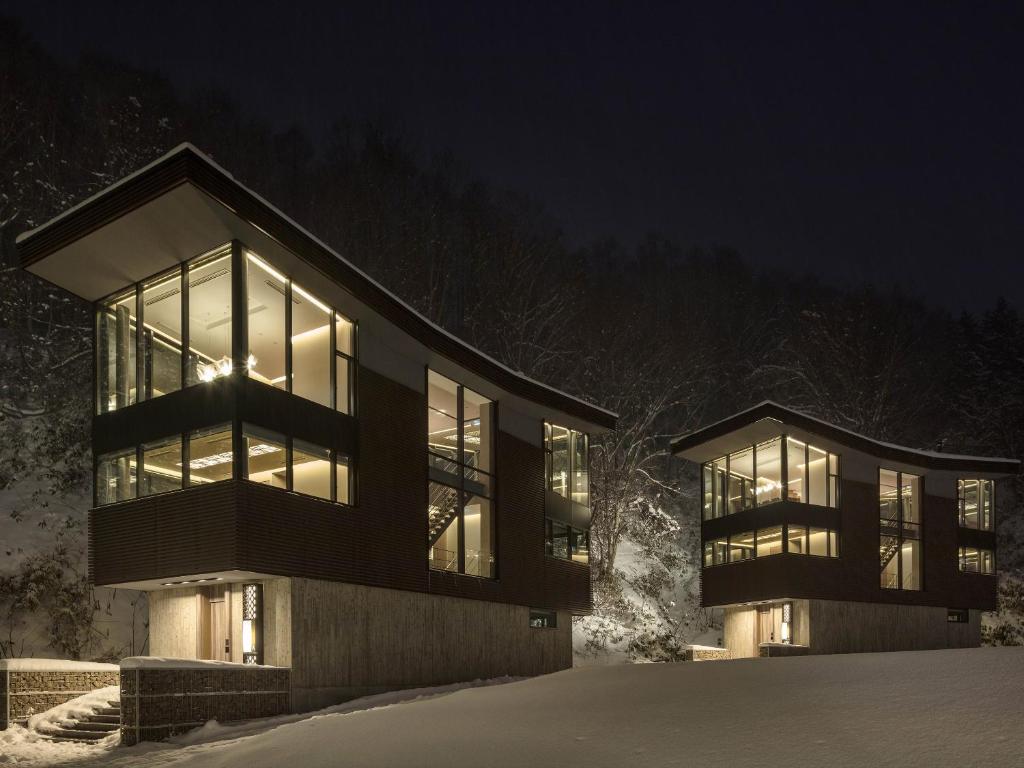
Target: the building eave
(689, 446)
(187, 165)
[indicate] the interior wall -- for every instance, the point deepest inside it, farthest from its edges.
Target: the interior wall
(350, 640)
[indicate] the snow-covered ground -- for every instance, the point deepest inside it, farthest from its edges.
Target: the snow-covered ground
(929, 708)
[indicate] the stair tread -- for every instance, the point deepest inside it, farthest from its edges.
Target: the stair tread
(74, 733)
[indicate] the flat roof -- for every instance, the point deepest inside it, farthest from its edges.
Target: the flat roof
(768, 419)
(187, 166)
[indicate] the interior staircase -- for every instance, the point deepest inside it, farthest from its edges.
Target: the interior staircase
(98, 724)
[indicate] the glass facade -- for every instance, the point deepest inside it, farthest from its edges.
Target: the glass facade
(269, 458)
(293, 340)
(775, 540)
(976, 503)
(900, 545)
(783, 468)
(460, 460)
(567, 463)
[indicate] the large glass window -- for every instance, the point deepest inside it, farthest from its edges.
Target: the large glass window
(460, 446)
(567, 461)
(741, 547)
(782, 468)
(161, 466)
(769, 471)
(769, 541)
(311, 347)
(294, 341)
(209, 317)
(161, 335)
(266, 456)
(899, 520)
(796, 464)
(311, 469)
(976, 502)
(210, 455)
(267, 322)
(344, 355)
(116, 361)
(115, 477)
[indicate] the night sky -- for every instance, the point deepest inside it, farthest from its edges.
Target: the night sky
(862, 143)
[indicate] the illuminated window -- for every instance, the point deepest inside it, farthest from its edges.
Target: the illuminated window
(460, 456)
(116, 352)
(899, 514)
(783, 468)
(161, 466)
(976, 501)
(975, 560)
(209, 317)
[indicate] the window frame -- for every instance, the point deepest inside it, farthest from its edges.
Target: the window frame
(720, 501)
(239, 253)
(460, 487)
(901, 528)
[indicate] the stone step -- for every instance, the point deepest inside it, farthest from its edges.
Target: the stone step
(109, 711)
(88, 725)
(116, 719)
(74, 734)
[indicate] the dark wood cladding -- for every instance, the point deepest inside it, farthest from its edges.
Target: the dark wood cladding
(381, 542)
(220, 402)
(186, 532)
(855, 575)
(769, 410)
(186, 166)
(770, 515)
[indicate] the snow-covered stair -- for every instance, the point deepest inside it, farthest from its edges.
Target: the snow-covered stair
(96, 724)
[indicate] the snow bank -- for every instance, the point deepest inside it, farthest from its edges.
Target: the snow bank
(162, 662)
(74, 709)
(54, 665)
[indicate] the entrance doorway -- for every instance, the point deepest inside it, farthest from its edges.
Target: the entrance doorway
(215, 622)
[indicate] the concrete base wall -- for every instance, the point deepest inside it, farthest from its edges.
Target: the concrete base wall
(848, 627)
(350, 641)
(834, 626)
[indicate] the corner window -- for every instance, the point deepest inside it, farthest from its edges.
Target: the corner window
(769, 541)
(567, 463)
(460, 461)
(741, 547)
(116, 352)
(115, 477)
(294, 341)
(900, 546)
(783, 468)
(976, 502)
(565, 542)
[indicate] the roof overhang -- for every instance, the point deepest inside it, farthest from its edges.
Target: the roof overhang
(767, 420)
(182, 204)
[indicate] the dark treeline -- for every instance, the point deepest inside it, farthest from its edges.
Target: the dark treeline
(668, 335)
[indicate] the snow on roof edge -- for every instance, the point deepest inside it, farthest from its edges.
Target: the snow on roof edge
(883, 443)
(189, 147)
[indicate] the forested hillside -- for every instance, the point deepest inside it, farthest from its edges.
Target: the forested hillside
(669, 335)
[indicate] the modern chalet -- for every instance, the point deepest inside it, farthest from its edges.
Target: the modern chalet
(819, 540)
(300, 470)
